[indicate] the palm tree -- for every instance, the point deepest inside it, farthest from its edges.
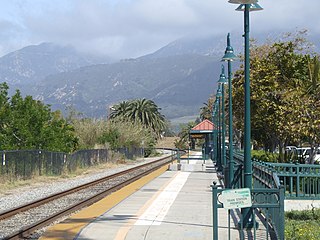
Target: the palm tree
(206, 110)
(141, 110)
(147, 112)
(119, 110)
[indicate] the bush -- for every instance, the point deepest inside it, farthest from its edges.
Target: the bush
(302, 230)
(313, 214)
(113, 134)
(264, 156)
(302, 225)
(120, 133)
(88, 131)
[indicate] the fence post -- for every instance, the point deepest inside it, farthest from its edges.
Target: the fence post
(281, 213)
(291, 181)
(215, 210)
(297, 180)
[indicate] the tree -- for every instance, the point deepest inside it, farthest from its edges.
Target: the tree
(309, 127)
(283, 108)
(206, 110)
(4, 112)
(120, 110)
(29, 124)
(141, 110)
(184, 136)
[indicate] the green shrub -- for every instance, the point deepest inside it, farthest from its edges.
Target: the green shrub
(302, 230)
(313, 214)
(264, 156)
(302, 225)
(120, 133)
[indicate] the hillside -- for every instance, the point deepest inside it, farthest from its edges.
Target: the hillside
(179, 77)
(178, 84)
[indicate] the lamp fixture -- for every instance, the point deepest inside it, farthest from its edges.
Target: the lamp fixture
(228, 54)
(243, 1)
(252, 7)
(222, 79)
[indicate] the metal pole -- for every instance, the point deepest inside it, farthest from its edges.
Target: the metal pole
(247, 213)
(215, 132)
(219, 138)
(231, 163)
(223, 130)
(215, 210)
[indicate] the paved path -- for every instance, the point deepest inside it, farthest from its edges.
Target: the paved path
(175, 205)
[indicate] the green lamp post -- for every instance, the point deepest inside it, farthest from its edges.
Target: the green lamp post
(229, 57)
(216, 130)
(222, 81)
(247, 6)
(219, 147)
(213, 155)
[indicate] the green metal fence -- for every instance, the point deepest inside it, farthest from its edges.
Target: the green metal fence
(267, 196)
(267, 204)
(26, 164)
(301, 181)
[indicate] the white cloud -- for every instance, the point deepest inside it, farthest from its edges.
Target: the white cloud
(128, 28)
(165, 13)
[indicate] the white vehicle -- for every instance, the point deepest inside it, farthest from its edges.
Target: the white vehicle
(304, 155)
(291, 151)
(317, 156)
(291, 148)
(303, 152)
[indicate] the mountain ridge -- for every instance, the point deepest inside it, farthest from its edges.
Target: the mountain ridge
(179, 77)
(100, 86)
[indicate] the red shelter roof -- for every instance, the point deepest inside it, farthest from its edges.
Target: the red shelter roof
(204, 126)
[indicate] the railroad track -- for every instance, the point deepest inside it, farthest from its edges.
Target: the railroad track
(21, 222)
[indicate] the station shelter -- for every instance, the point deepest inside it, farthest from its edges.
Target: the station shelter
(204, 130)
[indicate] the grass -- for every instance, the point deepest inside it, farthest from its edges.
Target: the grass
(302, 225)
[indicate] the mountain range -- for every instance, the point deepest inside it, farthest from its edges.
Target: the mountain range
(179, 77)
(33, 63)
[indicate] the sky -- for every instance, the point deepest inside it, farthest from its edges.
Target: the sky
(131, 28)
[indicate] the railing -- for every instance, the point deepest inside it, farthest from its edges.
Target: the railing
(272, 182)
(267, 205)
(301, 181)
(267, 197)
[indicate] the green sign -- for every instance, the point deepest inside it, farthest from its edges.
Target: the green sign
(236, 198)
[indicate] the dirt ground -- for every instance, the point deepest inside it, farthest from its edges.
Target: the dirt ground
(166, 142)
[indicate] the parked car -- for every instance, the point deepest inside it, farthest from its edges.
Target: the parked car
(291, 148)
(316, 158)
(291, 152)
(304, 153)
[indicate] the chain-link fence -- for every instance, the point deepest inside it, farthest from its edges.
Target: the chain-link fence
(26, 164)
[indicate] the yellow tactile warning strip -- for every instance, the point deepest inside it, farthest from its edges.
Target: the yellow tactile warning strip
(69, 228)
(123, 231)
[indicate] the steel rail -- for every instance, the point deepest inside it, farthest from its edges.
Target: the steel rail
(27, 231)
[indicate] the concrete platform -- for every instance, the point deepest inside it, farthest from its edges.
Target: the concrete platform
(176, 205)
